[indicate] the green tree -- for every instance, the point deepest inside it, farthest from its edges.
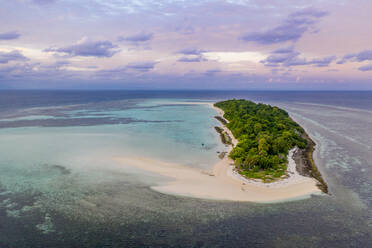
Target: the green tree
(265, 134)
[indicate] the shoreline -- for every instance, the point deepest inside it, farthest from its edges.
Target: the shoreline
(222, 182)
(305, 157)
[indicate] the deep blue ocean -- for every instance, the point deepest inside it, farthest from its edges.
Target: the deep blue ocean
(60, 188)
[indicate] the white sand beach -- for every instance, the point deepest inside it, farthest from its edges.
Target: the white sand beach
(222, 182)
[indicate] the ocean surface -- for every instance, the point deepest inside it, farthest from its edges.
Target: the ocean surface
(60, 185)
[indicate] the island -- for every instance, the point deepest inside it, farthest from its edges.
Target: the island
(249, 168)
(265, 136)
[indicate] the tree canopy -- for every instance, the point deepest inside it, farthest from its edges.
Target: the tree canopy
(265, 134)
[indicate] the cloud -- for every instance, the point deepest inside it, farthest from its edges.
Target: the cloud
(323, 62)
(192, 58)
(43, 2)
(288, 49)
(212, 72)
(308, 13)
(14, 55)
(346, 58)
(358, 57)
(279, 34)
(86, 48)
(128, 70)
(142, 66)
(192, 55)
(365, 68)
(286, 55)
(289, 57)
(364, 55)
(9, 36)
(291, 29)
(295, 61)
(141, 37)
(191, 51)
(281, 57)
(57, 65)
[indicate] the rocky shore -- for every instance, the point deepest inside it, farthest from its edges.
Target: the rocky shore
(305, 164)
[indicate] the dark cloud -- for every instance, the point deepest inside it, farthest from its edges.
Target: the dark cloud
(88, 49)
(365, 68)
(284, 50)
(14, 55)
(291, 29)
(281, 57)
(279, 34)
(346, 58)
(212, 71)
(358, 57)
(192, 59)
(142, 67)
(9, 36)
(289, 57)
(295, 61)
(364, 55)
(323, 62)
(141, 37)
(191, 51)
(192, 55)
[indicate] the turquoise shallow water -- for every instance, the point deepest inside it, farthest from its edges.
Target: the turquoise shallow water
(59, 186)
(63, 166)
(169, 132)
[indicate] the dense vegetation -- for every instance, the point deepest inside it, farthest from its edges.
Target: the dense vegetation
(265, 134)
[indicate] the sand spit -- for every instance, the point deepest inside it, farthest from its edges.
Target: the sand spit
(223, 182)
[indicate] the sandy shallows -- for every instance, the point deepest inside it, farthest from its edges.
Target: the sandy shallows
(221, 183)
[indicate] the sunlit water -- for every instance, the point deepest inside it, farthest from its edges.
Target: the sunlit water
(60, 187)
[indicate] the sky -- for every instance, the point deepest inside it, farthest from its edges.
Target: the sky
(186, 44)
